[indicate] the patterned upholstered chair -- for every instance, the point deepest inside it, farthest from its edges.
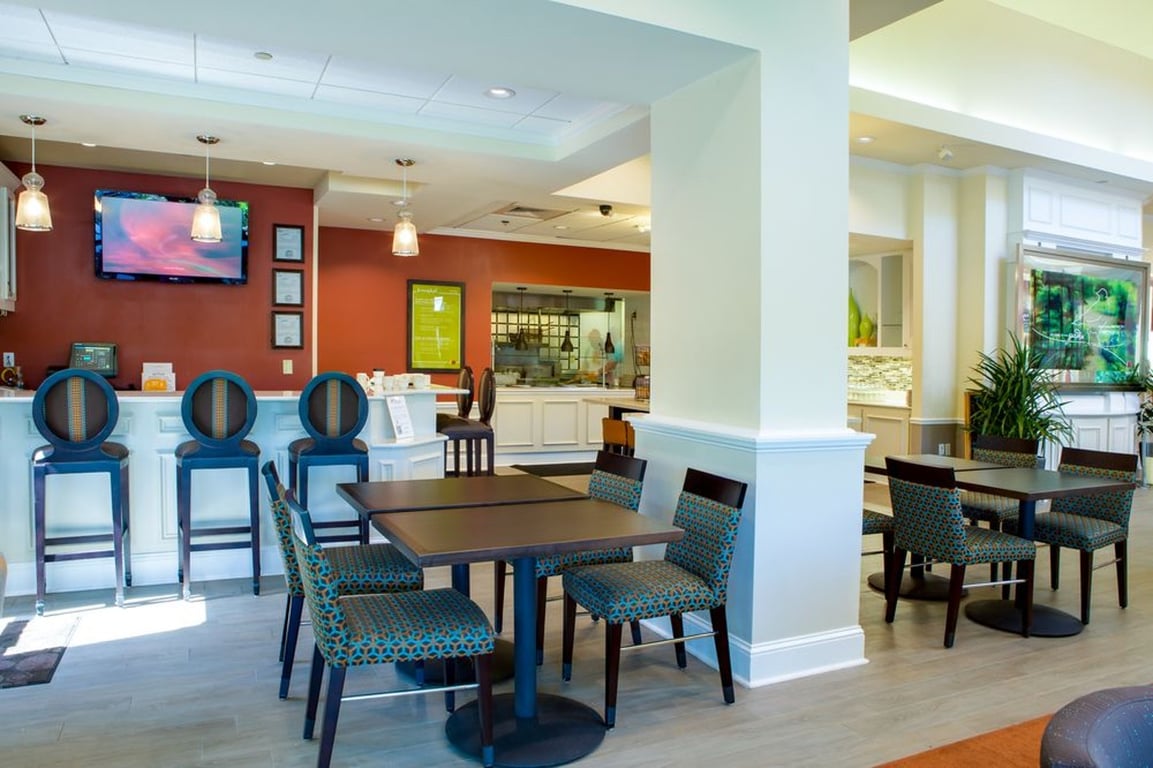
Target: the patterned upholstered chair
(693, 576)
(927, 520)
(614, 478)
(219, 410)
(76, 411)
(988, 507)
(1110, 728)
(360, 570)
(476, 435)
(358, 630)
(873, 523)
(333, 411)
(1089, 523)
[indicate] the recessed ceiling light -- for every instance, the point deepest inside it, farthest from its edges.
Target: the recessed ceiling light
(262, 55)
(560, 226)
(88, 144)
(376, 219)
(499, 92)
(268, 162)
(866, 139)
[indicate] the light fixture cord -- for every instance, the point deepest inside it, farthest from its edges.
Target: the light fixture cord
(207, 150)
(404, 186)
(33, 148)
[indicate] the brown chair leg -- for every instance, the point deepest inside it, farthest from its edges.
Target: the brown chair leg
(893, 583)
(483, 666)
(331, 715)
(1120, 551)
(314, 679)
(721, 641)
(1007, 574)
(1054, 566)
(1086, 584)
(1027, 569)
(499, 570)
(956, 585)
(612, 671)
(567, 631)
(887, 539)
(678, 624)
(541, 600)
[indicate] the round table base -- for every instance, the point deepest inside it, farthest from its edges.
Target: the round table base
(564, 730)
(927, 587)
(1004, 615)
(502, 667)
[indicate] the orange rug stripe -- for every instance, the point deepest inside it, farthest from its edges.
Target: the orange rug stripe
(1017, 746)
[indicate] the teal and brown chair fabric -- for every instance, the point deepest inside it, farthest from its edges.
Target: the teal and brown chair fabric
(693, 576)
(76, 411)
(360, 570)
(875, 523)
(219, 410)
(1011, 452)
(927, 521)
(615, 478)
(1089, 523)
(359, 630)
(333, 411)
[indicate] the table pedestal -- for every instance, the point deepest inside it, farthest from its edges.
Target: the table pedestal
(917, 583)
(563, 730)
(1005, 616)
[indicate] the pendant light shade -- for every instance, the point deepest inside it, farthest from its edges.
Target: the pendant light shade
(610, 348)
(521, 343)
(206, 217)
(404, 242)
(32, 212)
(566, 345)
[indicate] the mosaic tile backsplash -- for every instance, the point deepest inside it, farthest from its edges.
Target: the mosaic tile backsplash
(868, 372)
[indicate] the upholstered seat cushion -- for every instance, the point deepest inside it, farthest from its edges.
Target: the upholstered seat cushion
(464, 429)
(108, 450)
(308, 445)
(190, 448)
(449, 420)
(875, 522)
(987, 546)
(620, 592)
(1075, 531)
(410, 626)
(1111, 727)
(988, 507)
(555, 564)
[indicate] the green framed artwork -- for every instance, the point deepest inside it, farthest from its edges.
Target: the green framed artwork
(1086, 315)
(435, 325)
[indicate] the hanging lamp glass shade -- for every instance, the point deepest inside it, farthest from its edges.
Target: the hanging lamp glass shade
(404, 241)
(566, 344)
(32, 212)
(206, 218)
(609, 346)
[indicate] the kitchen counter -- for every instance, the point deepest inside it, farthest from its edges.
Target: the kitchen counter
(536, 425)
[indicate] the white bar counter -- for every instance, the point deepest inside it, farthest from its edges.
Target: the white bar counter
(151, 427)
(542, 425)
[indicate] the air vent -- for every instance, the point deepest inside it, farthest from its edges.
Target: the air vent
(540, 214)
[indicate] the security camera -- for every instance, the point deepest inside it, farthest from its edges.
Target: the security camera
(944, 154)
(606, 210)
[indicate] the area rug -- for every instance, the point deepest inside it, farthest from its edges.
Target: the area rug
(556, 470)
(1017, 746)
(30, 649)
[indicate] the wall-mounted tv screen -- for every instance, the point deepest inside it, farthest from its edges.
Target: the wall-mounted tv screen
(141, 236)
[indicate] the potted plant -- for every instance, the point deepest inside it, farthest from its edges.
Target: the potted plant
(1016, 397)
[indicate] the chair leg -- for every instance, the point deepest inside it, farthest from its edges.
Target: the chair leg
(721, 641)
(126, 524)
(1054, 566)
(184, 529)
(291, 632)
(677, 622)
(1007, 574)
(500, 571)
(450, 678)
(331, 714)
(254, 523)
(893, 586)
(1027, 569)
(567, 632)
(284, 626)
(635, 626)
(315, 676)
(994, 525)
(887, 555)
(1120, 551)
(39, 523)
(612, 671)
(1086, 584)
(956, 585)
(483, 665)
(541, 600)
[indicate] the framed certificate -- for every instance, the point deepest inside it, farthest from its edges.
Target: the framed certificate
(288, 287)
(288, 242)
(435, 325)
(287, 330)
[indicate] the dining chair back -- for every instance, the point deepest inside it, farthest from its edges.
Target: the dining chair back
(874, 523)
(333, 410)
(476, 436)
(358, 630)
(219, 410)
(362, 569)
(693, 576)
(927, 521)
(978, 506)
(76, 411)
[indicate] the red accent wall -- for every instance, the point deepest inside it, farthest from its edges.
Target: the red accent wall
(362, 303)
(195, 327)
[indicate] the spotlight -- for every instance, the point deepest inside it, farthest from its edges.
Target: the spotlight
(944, 154)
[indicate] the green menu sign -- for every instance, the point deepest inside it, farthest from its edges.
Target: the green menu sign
(435, 325)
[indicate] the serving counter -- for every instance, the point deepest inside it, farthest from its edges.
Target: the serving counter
(151, 427)
(537, 425)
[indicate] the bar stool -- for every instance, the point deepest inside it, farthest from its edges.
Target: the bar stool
(476, 435)
(219, 410)
(447, 423)
(75, 411)
(333, 411)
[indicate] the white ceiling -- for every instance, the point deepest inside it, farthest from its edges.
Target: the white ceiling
(353, 84)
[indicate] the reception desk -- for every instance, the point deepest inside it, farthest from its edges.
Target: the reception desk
(151, 427)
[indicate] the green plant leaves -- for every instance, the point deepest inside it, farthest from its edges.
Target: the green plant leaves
(1016, 397)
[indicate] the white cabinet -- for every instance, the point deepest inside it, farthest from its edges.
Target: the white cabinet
(546, 424)
(890, 425)
(1102, 421)
(878, 286)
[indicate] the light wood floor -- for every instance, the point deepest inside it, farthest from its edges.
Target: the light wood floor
(168, 683)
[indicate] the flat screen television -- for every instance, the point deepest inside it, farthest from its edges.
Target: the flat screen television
(141, 236)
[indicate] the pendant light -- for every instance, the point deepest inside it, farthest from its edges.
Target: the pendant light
(610, 348)
(521, 344)
(566, 345)
(206, 218)
(404, 236)
(32, 213)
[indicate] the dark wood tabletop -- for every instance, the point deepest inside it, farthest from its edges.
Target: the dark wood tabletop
(1034, 484)
(412, 495)
(956, 463)
(504, 532)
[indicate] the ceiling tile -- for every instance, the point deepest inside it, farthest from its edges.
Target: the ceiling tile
(399, 104)
(97, 60)
(24, 35)
(420, 85)
(299, 88)
(470, 114)
(88, 34)
(218, 54)
(470, 93)
(576, 110)
(543, 126)
(494, 222)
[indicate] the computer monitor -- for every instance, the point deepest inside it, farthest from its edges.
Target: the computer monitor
(96, 356)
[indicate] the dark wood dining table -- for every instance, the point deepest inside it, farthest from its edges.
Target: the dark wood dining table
(1029, 486)
(531, 729)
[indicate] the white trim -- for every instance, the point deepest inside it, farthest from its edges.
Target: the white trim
(783, 441)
